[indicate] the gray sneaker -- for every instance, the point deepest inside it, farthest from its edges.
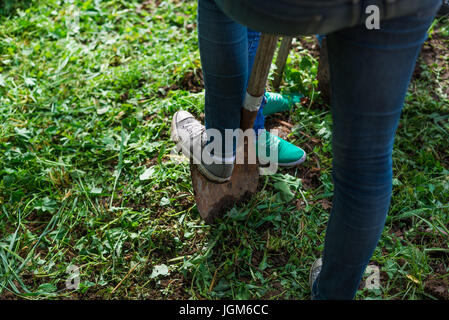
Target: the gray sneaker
(190, 136)
(315, 272)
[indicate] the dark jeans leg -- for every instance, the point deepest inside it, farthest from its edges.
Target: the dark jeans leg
(227, 52)
(370, 73)
(223, 47)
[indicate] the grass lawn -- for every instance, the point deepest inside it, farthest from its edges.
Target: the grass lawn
(87, 178)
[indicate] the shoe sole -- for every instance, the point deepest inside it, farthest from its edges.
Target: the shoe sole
(295, 163)
(316, 263)
(175, 138)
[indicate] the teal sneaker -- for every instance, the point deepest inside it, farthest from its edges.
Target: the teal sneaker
(289, 155)
(280, 102)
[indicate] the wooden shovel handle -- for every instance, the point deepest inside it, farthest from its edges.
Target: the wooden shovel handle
(259, 75)
(262, 63)
(281, 60)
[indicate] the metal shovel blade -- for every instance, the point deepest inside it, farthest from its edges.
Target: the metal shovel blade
(212, 199)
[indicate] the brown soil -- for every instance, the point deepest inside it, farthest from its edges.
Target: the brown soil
(191, 81)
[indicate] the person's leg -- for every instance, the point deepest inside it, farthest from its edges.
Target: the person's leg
(223, 47)
(288, 154)
(226, 49)
(227, 52)
(370, 73)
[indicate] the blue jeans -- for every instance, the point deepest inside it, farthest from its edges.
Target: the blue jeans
(370, 73)
(226, 82)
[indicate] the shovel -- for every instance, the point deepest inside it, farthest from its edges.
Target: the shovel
(212, 199)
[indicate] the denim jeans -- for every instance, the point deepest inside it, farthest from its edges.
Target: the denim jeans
(370, 73)
(234, 47)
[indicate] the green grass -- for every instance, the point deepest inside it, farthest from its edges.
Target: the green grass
(86, 176)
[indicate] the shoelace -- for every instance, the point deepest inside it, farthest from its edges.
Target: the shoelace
(194, 129)
(275, 98)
